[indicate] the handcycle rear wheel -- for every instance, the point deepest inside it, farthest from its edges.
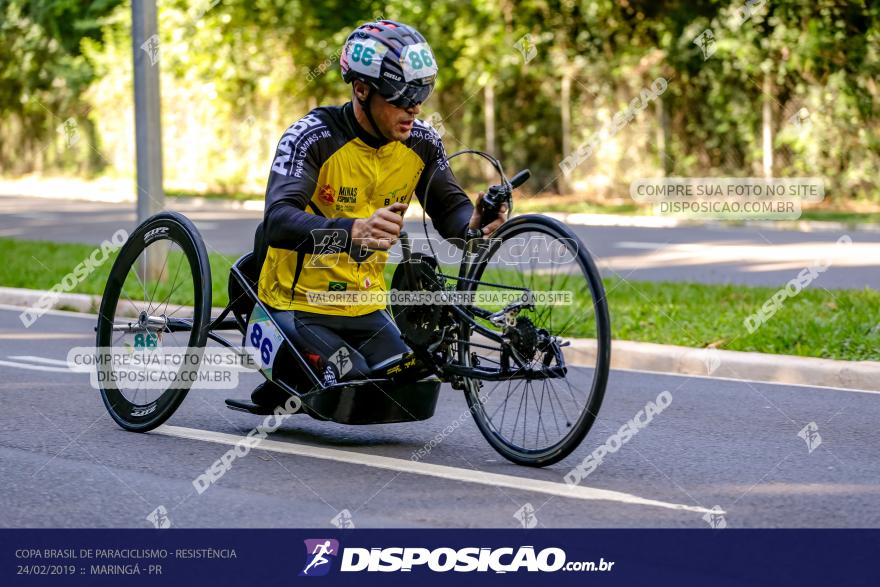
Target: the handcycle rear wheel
(538, 422)
(135, 312)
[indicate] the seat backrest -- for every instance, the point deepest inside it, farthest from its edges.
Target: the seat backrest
(261, 247)
(250, 266)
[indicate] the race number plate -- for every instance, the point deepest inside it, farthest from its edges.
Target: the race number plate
(417, 62)
(365, 56)
(262, 340)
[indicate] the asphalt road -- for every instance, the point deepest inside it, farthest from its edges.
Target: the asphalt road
(698, 254)
(735, 444)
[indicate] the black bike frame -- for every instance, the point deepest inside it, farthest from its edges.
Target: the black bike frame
(469, 258)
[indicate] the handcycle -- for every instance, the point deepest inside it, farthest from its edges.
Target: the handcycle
(490, 331)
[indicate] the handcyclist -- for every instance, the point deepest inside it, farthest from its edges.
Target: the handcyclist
(341, 179)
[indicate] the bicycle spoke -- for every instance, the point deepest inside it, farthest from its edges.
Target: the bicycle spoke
(158, 279)
(540, 407)
(504, 404)
(552, 409)
(516, 420)
(561, 408)
(173, 285)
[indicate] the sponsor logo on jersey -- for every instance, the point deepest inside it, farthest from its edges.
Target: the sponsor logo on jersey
(347, 198)
(326, 194)
(337, 286)
(392, 76)
(347, 191)
(400, 194)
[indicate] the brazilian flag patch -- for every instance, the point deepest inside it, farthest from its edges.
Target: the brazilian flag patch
(337, 286)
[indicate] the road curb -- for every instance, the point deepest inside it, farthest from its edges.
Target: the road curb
(31, 298)
(641, 356)
(710, 362)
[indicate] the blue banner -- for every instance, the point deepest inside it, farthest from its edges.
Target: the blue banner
(436, 557)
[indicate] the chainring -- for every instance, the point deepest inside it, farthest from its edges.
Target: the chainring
(420, 324)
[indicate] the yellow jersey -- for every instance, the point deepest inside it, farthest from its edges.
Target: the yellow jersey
(327, 172)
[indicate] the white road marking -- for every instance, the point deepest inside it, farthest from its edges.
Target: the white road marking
(743, 380)
(640, 245)
(57, 366)
(35, 367)
(56, 362)
(34, 359)
(14, 308)
(42, 336)
(430, 470)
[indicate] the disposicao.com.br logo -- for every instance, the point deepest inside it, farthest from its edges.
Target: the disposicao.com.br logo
(318, 556)
(441, 560)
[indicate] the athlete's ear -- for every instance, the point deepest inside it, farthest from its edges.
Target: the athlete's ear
(361, 90)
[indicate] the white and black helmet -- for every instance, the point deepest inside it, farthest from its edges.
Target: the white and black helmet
(392, 58)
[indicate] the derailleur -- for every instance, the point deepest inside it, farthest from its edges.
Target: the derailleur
(507, 316)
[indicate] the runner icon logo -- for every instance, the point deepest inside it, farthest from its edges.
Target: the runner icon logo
(320, 552)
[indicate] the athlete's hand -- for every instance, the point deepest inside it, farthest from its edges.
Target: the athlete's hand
(381, 230)
(492, 226)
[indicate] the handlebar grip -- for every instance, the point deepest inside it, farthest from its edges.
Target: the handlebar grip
(497, 194)
(490, 205)
(520, 178)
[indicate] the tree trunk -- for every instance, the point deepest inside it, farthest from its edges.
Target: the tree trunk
(565, 112)
(489, 114)
(767, 125)
(663, 137)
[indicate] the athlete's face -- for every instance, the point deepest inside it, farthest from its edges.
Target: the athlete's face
(395, 123)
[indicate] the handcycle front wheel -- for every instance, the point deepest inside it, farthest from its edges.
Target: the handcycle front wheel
(146, 312)
(537, 422)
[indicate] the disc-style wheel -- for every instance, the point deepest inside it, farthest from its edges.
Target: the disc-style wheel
(157, 302)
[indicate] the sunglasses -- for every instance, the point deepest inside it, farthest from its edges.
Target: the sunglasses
(407, 95)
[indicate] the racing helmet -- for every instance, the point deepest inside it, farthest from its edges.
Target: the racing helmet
(392, 58)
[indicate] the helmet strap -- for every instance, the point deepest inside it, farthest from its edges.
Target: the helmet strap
(365, 105)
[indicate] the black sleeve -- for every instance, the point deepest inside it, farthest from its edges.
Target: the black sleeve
(448, 206)
(292, 182)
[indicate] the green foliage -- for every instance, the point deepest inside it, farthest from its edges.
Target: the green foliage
(43, 72)
(235, 73)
